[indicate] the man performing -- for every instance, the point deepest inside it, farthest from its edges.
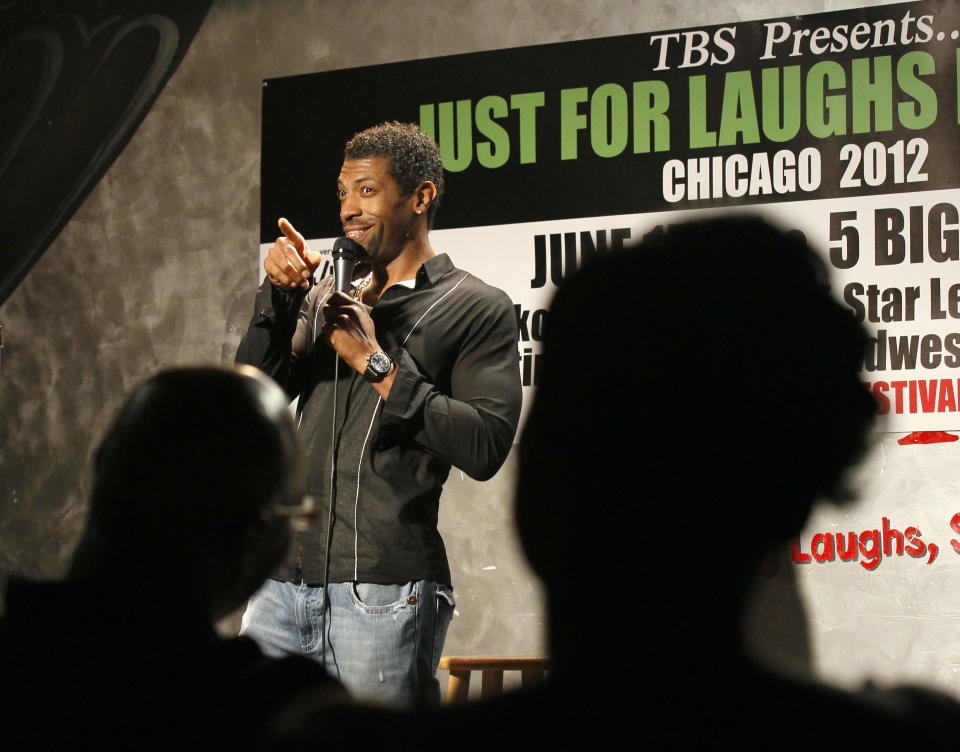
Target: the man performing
(431, 380)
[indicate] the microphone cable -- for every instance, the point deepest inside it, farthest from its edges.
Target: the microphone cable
(333, 467)
(332, 492)
(344, 258)
(333, 496)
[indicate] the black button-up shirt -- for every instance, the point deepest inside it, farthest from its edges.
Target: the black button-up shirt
(455, 400)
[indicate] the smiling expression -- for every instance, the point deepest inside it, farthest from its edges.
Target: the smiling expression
(372, 211)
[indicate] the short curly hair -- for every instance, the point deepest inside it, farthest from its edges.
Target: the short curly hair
(414, 156)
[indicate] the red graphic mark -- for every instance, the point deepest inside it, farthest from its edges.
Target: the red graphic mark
(955, 524)
(928, 437)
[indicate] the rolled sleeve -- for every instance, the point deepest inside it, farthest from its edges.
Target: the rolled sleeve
(473, 428)
(267, 341)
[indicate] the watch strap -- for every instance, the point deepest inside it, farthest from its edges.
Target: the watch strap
(379, 365)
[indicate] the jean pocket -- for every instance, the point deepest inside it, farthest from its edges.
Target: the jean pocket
(444, 614)
(372, 598)
(445, 593)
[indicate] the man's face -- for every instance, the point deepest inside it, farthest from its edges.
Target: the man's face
(372, 211)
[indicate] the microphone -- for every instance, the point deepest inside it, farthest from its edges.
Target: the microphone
(345, 252)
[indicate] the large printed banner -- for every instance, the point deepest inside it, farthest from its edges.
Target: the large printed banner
(841, 125)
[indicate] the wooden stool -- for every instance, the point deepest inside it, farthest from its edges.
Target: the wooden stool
(492, 668)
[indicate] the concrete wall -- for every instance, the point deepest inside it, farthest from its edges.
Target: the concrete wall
(158, 268)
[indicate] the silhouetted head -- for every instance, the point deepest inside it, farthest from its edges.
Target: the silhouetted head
(698, 393)
(186, 481)
(414, 157)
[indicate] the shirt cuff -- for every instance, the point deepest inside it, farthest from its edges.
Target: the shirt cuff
(274, 304)
(403, 411)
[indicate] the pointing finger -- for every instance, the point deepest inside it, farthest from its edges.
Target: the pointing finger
(311, 259)
(286, 255)
(295, 237)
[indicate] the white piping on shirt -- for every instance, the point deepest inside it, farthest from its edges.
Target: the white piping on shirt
(356, 500)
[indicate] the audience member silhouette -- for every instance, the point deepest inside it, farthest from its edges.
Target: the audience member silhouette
(699, 392)
(195, 484)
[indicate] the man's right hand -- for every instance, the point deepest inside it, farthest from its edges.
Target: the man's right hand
(290, 263)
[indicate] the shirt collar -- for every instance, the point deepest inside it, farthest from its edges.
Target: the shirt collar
(435, 268)
(432, 270)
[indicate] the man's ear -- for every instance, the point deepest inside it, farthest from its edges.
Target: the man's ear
(424, 195)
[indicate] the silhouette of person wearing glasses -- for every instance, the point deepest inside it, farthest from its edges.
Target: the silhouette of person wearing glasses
(195, 484)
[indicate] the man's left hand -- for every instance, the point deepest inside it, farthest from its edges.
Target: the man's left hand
(349, 330)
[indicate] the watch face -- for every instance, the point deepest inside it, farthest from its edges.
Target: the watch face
(380, 362)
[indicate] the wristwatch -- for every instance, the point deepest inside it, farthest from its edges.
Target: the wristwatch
(379, 365)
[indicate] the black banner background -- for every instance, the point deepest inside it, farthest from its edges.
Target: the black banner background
(306, 120)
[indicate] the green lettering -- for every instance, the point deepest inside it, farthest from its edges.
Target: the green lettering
(650, 102)
(571, 120)
(609, 127)
(456, 155)
(878, 92)
(826, 115)
(699, 135)
(922, 112)
(739, 112)
(496, 151)
(781, 106)
(526, 105)
(427, 120)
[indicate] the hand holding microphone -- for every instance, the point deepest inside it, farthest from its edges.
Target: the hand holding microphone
(348, 327)
(345, 255)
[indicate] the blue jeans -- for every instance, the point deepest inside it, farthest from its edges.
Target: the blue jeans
(383, 641)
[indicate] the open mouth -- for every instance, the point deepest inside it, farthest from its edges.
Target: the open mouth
(357, 235)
